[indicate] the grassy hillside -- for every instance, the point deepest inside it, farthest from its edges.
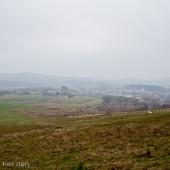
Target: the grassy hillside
(118, 141)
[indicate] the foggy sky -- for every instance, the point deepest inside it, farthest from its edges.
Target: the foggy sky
(106, 39)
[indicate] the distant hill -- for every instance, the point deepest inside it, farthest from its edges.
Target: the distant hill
(148, 88)
(23, 80)
(165, 82)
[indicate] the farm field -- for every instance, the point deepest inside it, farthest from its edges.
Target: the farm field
(34, 134)
(19, 109)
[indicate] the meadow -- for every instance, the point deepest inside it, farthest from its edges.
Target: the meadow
(35, 135)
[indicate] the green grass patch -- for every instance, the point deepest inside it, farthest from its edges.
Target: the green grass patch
(16, 118)
(96, 102)
(12, 113)
(78, 101)
(25, 99)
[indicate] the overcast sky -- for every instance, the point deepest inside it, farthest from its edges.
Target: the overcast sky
(106, 39)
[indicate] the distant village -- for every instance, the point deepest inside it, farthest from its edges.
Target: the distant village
(128, 98)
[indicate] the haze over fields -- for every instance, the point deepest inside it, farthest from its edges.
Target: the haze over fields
(26, 80)
(84, 84)
(99, 39)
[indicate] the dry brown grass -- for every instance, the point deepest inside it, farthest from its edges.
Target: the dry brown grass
(101, 142)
